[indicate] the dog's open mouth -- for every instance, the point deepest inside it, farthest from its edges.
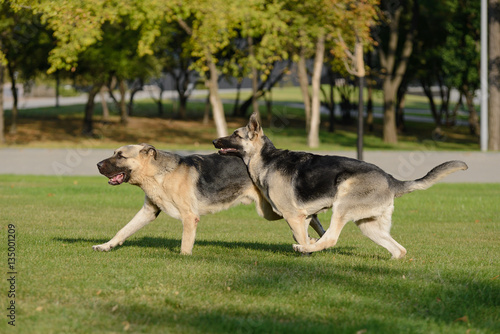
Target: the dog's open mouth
(228, 150)
(117, 179)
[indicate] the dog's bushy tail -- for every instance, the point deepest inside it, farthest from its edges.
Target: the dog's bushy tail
(435, 174)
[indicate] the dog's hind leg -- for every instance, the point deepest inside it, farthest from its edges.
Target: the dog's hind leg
(316, 225)
(378, 230)
(146, 215)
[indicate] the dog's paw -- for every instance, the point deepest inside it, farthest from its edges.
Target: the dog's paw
(102, 248)
(400, 255)
(299, 248)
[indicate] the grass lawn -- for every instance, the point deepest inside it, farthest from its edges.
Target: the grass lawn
(243, 276)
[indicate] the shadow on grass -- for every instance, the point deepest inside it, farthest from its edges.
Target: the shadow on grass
(344, 297)
(379, 302)
(189, 319)
(173, 245)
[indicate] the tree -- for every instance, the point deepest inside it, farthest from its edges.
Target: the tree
(313, 31)
(211, 25)
(358, 20)
(112, 58)
(306, 39)
(395, 45)
(461, 56)
(494, 76)
(77, 26)
(313, 136)
(26, 44)
(173, 48)
(426, 62)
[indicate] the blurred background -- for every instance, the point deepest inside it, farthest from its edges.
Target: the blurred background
(179, 73)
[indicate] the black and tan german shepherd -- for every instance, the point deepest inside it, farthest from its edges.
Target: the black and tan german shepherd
(184, 187)
(299, 184)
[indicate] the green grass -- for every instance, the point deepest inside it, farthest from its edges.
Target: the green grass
(243, 276)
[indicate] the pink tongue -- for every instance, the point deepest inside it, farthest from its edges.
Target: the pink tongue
(117, 179)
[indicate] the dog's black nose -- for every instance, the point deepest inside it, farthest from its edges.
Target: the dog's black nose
(99, 164)
(215, 142)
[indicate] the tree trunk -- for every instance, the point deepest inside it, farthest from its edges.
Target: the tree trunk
(58, 84)
(304, 89)
(445, 93)
(255, 79)
(206, 114)
(369, 87)
(394, 70)
(313, 136)
(181, 84)
(88, 126)
(138, 84)
(182, 106)
(159, 101)
(123, 103)
(473, 117)
(269, 105)
(494, 76)
(237, 99)
(215, 101)
(360, 119)
(2, 121)
(390, 132)
(360, 71)
(369, 105)
(432, 104)
(331, 107)
(105, 109)
(270, 83)
(12, 74)
(452, 119)
(400, 109)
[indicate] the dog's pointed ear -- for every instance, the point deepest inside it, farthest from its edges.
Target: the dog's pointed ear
(254, 125)
(149, 150)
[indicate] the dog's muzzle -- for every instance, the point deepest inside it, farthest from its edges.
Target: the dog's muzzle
(115, 178)
(218, 143)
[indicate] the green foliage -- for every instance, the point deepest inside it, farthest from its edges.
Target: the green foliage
(461, 51)
(277, 26)
(243, 275)
(25, 42)
(116, 53)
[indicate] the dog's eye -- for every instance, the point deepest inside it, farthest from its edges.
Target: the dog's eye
(120, 156)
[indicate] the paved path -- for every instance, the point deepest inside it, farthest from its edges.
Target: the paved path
(404, 165)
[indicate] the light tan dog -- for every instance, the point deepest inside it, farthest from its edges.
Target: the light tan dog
(184, 187)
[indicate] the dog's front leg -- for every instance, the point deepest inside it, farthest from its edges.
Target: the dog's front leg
(189, 225)
(146, 215)
(298, 225)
